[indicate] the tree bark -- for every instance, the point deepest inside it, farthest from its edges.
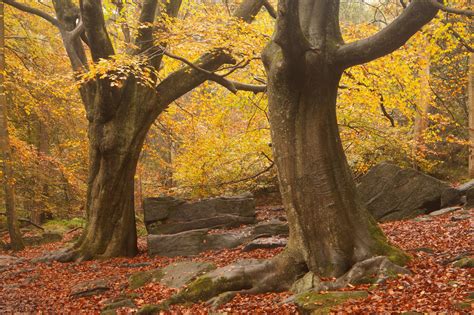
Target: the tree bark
(470, 89)
(423, 104)
(330, 230)
(7, 177)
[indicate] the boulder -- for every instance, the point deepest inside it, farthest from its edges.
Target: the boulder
(168, 215)
(444, 211)
(451, 197)
(272, 227)
(193, 242)
(322, 303)
(174, 276)
(178, 274)
(190, 243)
(466, 186)
(469, 198)
(392, 193)
(267, 242)
(89, 288)
(7, 261)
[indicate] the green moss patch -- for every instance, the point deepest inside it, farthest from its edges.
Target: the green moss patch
(141, 278)
(321, 303)
(149, 309)
(467, 262)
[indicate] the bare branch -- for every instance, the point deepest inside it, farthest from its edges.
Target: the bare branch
(184, 80)
(28, 9)
(389, 39)
(270, 9)
(465, 12)
(232, 86)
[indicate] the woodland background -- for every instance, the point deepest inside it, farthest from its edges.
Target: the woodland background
(410, 107)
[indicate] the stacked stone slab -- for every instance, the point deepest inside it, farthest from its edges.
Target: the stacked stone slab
(168, 215)
(180, 228)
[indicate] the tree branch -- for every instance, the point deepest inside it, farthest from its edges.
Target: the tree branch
(145, 39)
(465, 12)
(270, 9)
(184, 80)
(76, 32)
(94, 24)
(28, 9)
(232, 86)
(389, 39)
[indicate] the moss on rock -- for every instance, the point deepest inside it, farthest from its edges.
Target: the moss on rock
(321, 303)
(383, 248)
(149, 309)
(467, 262)
(118, 304)
(141, 278)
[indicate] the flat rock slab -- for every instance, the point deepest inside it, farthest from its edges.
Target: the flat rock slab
(7, 261)
(321, 303)
(194, 242)
(191, 243)
(174, 276)
(272, 227)
(444, 211)
(89, 288)
(267, 242)
(178, 274)
(168, 215)
(392, 193)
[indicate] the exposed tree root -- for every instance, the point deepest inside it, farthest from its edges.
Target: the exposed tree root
(244, 277)
(275, 275)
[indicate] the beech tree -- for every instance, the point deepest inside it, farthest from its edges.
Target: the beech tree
(330, 230)
(6, 154)
(120, 115)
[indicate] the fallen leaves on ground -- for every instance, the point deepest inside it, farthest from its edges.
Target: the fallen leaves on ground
(434, 286)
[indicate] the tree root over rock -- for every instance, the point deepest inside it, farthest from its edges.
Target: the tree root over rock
(276, 275)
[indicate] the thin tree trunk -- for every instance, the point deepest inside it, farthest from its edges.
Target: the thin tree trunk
(38, 212)
(471, 115)
(7, 178)
(423, 104)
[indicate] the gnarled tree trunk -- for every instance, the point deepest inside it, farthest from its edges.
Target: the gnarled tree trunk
(115, 145)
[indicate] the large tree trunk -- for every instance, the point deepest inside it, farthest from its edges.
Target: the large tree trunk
(6, 159)
(115, 146)
(329, 227)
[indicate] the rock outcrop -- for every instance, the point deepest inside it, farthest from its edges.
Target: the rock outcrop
(168, 215)
(392, 193)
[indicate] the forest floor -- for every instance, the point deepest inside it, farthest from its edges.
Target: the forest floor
(435, 285)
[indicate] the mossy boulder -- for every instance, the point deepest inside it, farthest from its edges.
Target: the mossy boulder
(178, 274)
(173, 276)
(321, 303)
(150, 309)
(142, 278)
(467, 262)
(118, 304)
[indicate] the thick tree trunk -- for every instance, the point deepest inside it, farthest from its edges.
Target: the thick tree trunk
(115, 146)
(6, 159)
(329, 228)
